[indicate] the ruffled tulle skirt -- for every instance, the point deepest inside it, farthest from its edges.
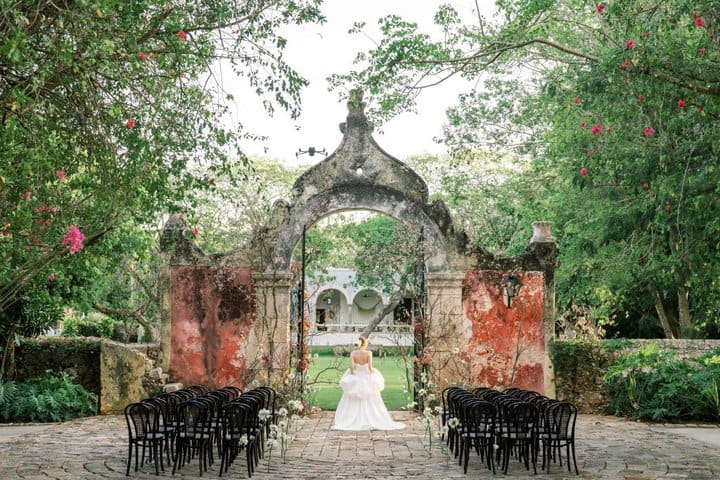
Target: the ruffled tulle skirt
(361, 406)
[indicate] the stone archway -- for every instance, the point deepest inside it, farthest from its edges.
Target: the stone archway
(481, 341)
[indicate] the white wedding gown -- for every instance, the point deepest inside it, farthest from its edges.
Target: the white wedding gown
(361, 407)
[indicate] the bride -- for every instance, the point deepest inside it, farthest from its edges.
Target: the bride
(361, 407)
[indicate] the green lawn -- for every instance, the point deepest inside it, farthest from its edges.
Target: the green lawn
(329, 368)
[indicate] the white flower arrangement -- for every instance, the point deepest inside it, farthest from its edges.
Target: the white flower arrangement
(263, 414)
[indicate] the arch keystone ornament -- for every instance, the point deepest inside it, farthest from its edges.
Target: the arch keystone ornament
(467, 334)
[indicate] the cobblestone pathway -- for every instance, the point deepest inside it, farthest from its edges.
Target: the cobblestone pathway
(607, 449)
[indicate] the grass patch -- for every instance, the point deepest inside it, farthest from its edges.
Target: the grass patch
(328, 369)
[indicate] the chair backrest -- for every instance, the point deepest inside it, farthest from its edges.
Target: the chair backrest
(521, 418)
(194, 417)
(562, 417)
(236, 418)
(137, 416)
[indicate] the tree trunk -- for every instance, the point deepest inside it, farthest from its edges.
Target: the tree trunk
(684, 316)
(395, 300)
(667, 317)
(134, 314)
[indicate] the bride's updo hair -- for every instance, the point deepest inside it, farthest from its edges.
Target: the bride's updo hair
(361, 342)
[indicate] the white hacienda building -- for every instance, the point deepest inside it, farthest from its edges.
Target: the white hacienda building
(340, 309)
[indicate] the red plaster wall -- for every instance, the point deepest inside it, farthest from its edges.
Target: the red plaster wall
(507, 346)
(212, 314)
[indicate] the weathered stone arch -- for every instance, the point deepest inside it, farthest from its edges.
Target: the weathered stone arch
(360, 175)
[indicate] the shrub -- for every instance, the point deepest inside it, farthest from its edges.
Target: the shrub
(48, 398)
(89, 326)
(653, 384)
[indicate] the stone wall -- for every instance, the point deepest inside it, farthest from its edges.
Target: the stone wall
(116, 373)
(579, 375)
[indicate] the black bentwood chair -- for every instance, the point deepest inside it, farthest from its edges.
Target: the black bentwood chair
(559, 432)
(141, 418)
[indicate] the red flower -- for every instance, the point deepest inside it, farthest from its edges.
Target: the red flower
(701, 50)
(576, 100)
(699, 22)
(596, 129)
(629, 45)
(698, 109)
(27, 193)
(649, 131)
(61, 175)
(646, 186)
(582, 124)
(51, 277)
(600, 8)
(182, 35)
(142, 56)
(74, 237)
(195, 231)
(626, 64)
(583, 171)
(640, 98)
(681, 103)
(130, 123)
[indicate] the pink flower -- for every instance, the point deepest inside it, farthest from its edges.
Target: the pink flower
(60, 174)
(74, 237)
(27, 193)
(699, 22)
(182, 35)
(699, 110)
(600, 8)
(640, 98)
(701, 50)
(649, 131)
(130, 123)
(681, 103)
(583, 171)
(195, 231)
(582, 124)
(597, 128)
(646, 186)
(51, 277)
(629, 45)
(576, 100)
(142, 56)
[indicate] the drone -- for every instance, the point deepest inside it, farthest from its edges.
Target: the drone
(311, 151)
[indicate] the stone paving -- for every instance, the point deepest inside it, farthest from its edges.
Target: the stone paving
(607, 448)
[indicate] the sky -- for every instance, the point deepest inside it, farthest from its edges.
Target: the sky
(316, 52)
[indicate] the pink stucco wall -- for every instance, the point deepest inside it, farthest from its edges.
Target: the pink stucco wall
(212, 315)
(506, 347)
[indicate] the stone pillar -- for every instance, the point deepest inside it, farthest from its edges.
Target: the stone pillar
(165, 330)
(446, 329)
(272, 324)
(543, 242)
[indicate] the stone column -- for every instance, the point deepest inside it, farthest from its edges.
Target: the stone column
(164, 295)
(446, 329)
(543, 243)
(272, 324)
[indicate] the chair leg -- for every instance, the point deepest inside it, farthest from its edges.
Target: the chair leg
(129, 461)
(572, 446)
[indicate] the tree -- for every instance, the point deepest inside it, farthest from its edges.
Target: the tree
(109, 113)
(616, 104)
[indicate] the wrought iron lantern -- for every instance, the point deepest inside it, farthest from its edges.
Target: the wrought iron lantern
(510, 288)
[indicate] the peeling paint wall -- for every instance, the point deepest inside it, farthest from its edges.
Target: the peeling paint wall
(506, 346)
(212, 313)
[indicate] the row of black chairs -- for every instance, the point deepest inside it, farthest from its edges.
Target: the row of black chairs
(194, 421)
(509, 423)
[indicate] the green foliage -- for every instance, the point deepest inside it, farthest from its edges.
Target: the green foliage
(91, 326)
(613, 117)
(49, 398)
(656, 385)
(108, 117)
(568, 356)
